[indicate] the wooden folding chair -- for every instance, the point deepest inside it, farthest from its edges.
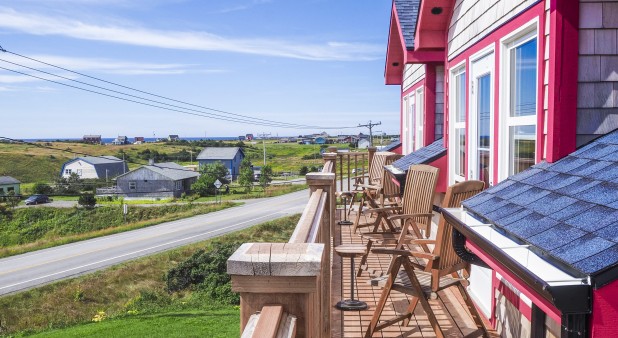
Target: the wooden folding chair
(424, 282)
(414, 214)
(377, 195)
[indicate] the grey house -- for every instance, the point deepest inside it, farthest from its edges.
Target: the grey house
(7, 184)
(158, 180)
(229, 156)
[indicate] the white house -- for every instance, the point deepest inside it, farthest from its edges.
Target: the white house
(106, 167)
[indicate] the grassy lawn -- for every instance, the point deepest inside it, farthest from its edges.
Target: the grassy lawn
(31, 229)
(133, 297)
(221, 321)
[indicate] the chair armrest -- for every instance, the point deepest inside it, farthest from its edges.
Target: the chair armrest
(406, 253)
(408, 216)
(423, 241)
(368, 186)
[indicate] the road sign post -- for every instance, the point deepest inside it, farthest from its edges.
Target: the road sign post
(218, 185)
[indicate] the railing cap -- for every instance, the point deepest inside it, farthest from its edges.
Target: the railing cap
(276, 259)
(320, 177)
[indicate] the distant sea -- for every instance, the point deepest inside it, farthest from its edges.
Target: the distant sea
(109, 140)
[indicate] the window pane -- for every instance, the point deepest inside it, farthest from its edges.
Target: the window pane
(460, 151)
(484, 109)
(523, 79)
(460, 97)
(522, 146)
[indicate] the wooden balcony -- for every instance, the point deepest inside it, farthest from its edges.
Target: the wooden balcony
(290, 289)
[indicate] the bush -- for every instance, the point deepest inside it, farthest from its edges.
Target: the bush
(87, 201)
(42, 189)
(206, 271)
(304, 170)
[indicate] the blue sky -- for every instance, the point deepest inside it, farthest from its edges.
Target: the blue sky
(310, 62)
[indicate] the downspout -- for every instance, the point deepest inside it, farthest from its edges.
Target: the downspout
(459, 245)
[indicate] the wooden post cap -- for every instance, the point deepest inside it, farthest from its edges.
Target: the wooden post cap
(276, 259)
(351, 250)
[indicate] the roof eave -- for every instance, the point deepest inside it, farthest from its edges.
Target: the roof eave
(432, 24)
(395, 51)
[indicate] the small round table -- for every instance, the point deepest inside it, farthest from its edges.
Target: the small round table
(351, 251)
(344, 196)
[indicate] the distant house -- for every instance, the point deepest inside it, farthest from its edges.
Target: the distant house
(160, 180)
(8, 184)
(363, 143)
(229, 156)
(138, 140)
(319, 140)
(249, 137)
(242, 138)
(92, 139)
(120, 140)
(94, 167)
(173, 138)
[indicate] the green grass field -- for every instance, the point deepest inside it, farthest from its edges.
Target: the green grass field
(133, 297)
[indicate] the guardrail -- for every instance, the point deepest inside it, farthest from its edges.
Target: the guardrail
(295, 277)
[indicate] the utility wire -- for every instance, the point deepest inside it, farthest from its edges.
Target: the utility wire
(254, 119)
(282, 125)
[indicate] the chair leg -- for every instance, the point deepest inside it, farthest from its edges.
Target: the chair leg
(363, 261)
(424, 303)
(358, 215)
(386, 291)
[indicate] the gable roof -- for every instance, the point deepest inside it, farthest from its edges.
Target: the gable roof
(104, 165)
(391, 146)
(97, 160)
(407, 15)
(424, 155)
(219, 153)
(8, 180)
(567, 211)
(170, 170)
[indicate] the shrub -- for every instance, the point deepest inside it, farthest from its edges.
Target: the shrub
(42, 188)
(304, 170)
(206, 271)
(87, 201)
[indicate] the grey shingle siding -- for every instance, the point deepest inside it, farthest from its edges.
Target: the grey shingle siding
(158, 180)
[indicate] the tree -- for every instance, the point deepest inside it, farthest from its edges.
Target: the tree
(245, 178)
(205, 184)
(266, 176)
(11, 199)
(304, 170)
(87, 201)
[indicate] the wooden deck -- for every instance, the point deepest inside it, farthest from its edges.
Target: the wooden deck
(449, 308)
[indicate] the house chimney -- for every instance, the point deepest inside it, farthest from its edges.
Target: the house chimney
(151, 161)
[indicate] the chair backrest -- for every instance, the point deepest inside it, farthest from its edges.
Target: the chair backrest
(389, 188)
(455, 194)
(376, 167)
(419, 191)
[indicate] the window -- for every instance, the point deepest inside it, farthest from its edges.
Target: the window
(79, 172)
(132, 185)
(519, 109)
(1, 191)
(481, 117)
(418, 120)
(178, 185)
(457, 126)
(67, 171)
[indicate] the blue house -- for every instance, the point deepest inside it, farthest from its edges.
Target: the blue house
(229, 156)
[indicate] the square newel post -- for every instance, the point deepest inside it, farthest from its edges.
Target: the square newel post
(288, 274)
(372, 151)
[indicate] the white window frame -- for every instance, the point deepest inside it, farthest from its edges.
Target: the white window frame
(472, 111)
(178, 185)
(419, 117)
(405, 136)
(68, 171)
(518, 37)
(132, 185)
(455, 71)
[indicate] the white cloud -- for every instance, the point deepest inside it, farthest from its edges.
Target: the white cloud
(187, 40)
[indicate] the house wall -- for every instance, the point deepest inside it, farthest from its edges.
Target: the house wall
(412, 74)
(236, 164)
(597, 91)
(148, 184)
(226, 163)
(5, 188)
(604, 317)
(81, 168)
(473, 20)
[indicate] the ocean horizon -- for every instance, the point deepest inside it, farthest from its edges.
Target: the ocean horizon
(109, 140)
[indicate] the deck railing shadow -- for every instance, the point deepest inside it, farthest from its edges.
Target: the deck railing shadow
(285, 288)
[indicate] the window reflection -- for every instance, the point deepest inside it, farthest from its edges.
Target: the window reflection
(522, 146)
(484, 109)
(523, 79)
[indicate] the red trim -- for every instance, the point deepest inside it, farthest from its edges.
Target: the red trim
(540, 121)
(513, 298)
(538, 300)
(431, 28)
(429, 118)
(563, 55)
(416, 56)
(604, 317)
(494, 286)
(395, 52)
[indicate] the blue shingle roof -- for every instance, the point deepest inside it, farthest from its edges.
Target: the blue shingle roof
(568, 210)
(423, 155)
(391, 146)
(407, 13)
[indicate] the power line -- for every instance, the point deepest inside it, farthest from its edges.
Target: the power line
(253, 120)
(370, 126)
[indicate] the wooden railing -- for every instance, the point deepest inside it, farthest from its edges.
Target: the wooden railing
(350, 165)
(294, 278)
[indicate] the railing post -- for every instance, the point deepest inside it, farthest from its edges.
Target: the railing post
(280, 273)
(326, 182)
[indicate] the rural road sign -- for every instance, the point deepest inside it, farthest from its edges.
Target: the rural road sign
(218, 184)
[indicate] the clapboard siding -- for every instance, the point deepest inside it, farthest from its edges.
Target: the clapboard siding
(439, 123)
(412, 74)
(472, 20)
(597, 90)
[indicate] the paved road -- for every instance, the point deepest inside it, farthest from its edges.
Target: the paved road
(45, 266)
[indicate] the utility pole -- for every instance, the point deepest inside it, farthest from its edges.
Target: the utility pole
(370, 126)
(263, 136)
